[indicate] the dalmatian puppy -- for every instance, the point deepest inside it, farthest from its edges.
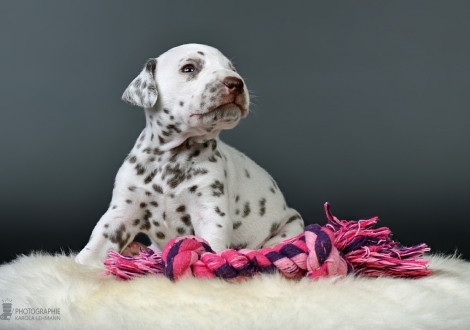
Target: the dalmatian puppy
(180, 178)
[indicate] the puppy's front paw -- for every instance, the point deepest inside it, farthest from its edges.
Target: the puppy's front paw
(87, 258)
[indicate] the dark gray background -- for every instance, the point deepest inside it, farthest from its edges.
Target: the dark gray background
(363, 104)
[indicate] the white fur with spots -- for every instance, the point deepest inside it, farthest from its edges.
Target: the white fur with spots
(179, 178)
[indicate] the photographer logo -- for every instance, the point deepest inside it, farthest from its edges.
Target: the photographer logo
(27, 313)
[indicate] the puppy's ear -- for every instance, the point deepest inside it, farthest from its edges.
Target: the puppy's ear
(142, 91)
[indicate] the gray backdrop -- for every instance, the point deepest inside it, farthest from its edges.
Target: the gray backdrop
(363, 104)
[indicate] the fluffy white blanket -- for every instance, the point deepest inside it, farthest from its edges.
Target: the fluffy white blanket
(52, 292)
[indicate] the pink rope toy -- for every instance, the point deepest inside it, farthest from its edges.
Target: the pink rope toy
(339, 248)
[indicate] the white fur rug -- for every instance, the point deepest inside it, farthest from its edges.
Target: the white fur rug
(87, 300)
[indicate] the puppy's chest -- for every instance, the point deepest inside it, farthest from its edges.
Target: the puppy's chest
(177, 175)
(170, 192)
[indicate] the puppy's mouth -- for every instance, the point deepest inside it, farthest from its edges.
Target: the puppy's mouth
(227, 109)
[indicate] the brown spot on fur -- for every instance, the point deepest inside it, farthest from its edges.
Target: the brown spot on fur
(173, 158)
(176, 180)
(139, 169)
(219, 212)
(217, 188)
(199, 171)
(262, 206)
(237, 224)
(274, 228)
(120, 237)
(150, 177)
(293, 218)
(151, 66)
(158, 152)
(246, 209)
(157, 188)
(146, 220)
(172, 127)
(186, 219)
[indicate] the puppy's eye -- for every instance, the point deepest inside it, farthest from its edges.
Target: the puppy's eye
(188, 68)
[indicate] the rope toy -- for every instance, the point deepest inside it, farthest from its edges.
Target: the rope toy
(339, 248)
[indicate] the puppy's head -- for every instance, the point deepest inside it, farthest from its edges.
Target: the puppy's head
(194, 84)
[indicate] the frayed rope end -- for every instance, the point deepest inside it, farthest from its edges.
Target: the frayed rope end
(372, 252)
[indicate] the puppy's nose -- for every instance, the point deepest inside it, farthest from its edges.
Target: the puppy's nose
(234, 85)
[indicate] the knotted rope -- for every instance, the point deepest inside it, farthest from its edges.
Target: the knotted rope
(338, 248)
